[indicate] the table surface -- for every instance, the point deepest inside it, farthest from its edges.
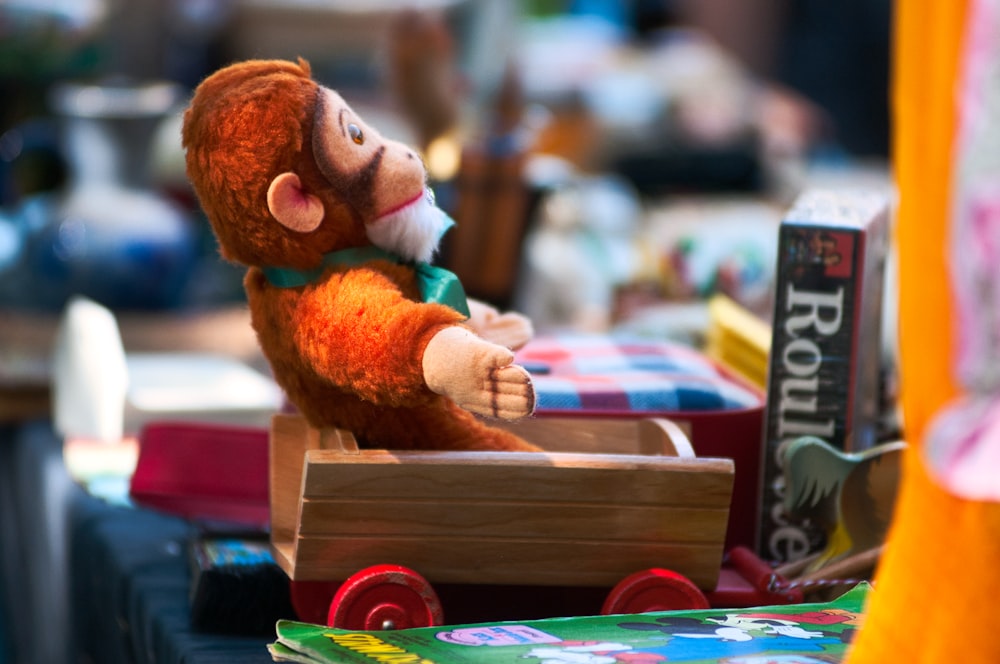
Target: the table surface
(133, 563)
(27, 340)
(87, 581)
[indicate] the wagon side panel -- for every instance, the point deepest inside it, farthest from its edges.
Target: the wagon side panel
(537, 519)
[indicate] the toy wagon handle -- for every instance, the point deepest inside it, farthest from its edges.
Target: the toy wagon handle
(341, 440)
(661, 436)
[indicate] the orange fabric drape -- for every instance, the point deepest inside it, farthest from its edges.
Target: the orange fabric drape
(937, 588)
(938, 584)
(926, 52)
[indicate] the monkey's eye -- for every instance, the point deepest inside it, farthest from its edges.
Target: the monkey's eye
(356, 134)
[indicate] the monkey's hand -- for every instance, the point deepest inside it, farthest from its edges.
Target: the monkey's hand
(477, 375)
(510, 329)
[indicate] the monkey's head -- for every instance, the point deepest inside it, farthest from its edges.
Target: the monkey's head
(286, 171)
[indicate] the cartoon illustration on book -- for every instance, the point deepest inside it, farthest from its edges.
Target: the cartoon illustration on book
(803, 634)
(726, 638)
(496, 635)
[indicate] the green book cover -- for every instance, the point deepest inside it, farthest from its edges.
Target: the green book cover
(790, 634)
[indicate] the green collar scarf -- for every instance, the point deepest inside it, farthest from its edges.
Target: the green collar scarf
(436, 284)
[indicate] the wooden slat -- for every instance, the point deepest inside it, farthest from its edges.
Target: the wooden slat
(663, 436)
(498, 561)
(519, 520)
(284, 554)
(291, 436)
(607, 435)
(533, 477)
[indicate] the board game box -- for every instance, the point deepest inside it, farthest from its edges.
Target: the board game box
(825, 357)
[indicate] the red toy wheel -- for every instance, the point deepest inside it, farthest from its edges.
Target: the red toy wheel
(385, 597)
(654, 590)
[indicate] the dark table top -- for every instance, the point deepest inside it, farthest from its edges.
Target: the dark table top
(131, 581)
(120, 574)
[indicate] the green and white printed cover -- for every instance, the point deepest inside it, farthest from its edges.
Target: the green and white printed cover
(791, 634)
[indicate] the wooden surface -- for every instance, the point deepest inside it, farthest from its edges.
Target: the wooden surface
(603, 435)
(27, 338)
(554, 518)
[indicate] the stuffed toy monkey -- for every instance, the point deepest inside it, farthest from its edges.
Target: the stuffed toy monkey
(336, 226)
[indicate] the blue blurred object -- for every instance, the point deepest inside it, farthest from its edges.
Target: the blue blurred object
(3, 639)
(10, 242)
(31, 161)
(107, 235)
(615, 12)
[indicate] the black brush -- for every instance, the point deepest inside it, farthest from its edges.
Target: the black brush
(236, 587)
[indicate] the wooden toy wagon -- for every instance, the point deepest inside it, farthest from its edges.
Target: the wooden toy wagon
(621, 506)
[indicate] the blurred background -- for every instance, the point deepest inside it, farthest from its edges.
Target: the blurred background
(612, 166)
(600, 157)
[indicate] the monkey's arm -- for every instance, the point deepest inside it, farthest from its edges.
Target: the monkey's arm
(357, 331)
(477, 375)
(509, 329)
(354, 332)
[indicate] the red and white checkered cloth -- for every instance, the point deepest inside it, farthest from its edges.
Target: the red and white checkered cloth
(611, 374)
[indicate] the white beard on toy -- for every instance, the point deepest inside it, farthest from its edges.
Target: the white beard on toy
(412, 232)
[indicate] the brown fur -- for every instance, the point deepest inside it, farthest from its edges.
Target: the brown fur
(347, 349)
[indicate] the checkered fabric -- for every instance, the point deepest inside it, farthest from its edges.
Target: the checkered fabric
(611, 374)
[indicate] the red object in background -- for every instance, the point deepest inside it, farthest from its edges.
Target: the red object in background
(205, 472)
(736, 435)
(746, 580)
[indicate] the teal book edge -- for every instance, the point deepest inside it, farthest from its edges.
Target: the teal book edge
(817, 633)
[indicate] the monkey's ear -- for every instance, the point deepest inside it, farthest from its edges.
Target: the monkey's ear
(293, 206)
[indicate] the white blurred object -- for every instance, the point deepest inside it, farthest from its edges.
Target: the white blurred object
(558, 56)
(197, 386)
(582, 248)
(102, 393)
(89, 377)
